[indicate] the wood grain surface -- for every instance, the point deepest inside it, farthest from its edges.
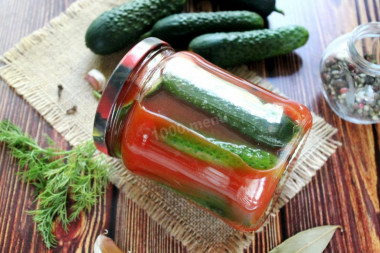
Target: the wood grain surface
(345, 191)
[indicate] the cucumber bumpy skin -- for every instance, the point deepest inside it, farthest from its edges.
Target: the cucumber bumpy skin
(254, 157)
(179, 29)
(202, 149)
(235, 48)
(222, 153)
(273, 134)
(122, 26)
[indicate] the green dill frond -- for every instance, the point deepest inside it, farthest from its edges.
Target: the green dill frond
(58, 176)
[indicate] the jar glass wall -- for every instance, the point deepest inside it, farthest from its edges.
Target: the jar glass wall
(216, 139)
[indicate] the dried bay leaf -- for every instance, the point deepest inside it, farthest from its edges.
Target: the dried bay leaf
(313, 240)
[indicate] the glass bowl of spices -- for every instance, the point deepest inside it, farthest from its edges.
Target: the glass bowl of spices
(350, 74)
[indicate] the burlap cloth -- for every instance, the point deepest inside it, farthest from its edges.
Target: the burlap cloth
(57, 55)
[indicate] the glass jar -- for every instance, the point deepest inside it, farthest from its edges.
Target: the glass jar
(350, 74)
(214, 138)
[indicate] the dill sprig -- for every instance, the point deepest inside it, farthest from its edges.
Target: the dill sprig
(58, 175)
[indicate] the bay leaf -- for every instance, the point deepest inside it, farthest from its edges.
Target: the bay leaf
(313, 240)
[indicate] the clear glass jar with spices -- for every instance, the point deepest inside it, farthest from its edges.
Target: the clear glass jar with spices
(350, 74)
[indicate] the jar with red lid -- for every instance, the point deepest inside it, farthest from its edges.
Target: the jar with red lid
(219, 141)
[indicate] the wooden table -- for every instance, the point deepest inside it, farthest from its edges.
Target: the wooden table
(345, 191)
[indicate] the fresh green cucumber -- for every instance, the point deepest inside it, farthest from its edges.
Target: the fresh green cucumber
(262, 122)
(229, 49)
(122, 26)
(179, 29)
(263, 7)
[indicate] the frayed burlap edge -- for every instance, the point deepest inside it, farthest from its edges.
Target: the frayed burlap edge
(15, 78)
(135, 188)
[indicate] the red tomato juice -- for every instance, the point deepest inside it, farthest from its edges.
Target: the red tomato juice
(242, 194)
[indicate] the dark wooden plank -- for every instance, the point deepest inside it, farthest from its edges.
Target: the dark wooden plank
(345, 191)
(18, 231)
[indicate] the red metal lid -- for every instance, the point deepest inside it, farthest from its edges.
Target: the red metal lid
(116, 84)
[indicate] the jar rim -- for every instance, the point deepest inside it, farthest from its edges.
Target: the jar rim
(371, 29)
(115, 86)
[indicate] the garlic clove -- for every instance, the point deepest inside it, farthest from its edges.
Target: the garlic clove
(96, 79)
(104, 244)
